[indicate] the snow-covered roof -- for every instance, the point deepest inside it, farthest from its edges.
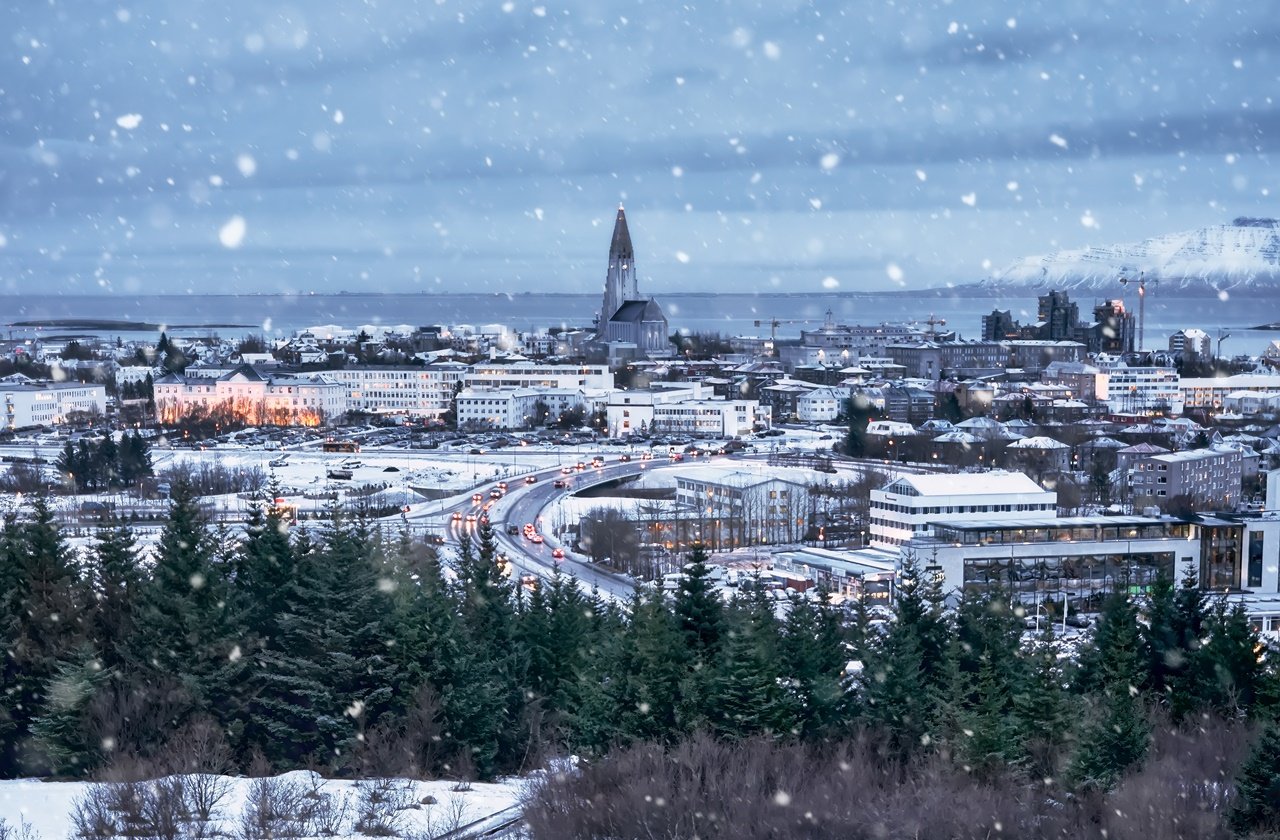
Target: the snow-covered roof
(971, 484)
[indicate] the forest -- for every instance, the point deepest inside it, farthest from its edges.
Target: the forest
(687, 714)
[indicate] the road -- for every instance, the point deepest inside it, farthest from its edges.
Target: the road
(524, 504)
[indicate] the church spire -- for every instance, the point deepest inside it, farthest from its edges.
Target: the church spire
(620, 249)
(620, 282)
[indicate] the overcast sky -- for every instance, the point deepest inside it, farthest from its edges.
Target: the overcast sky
(245, 145)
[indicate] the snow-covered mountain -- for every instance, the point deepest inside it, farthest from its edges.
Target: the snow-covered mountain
(1242, 255)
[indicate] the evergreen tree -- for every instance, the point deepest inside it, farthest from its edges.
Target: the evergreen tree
(1256, 807)
(746, 695)
(813, 657)
(118, 581)
(1116, 733)
(1042, 711)
(698, 607)
(656, 663)
(62, 730)
(1231, 661)
(43, 613)
(183, 635)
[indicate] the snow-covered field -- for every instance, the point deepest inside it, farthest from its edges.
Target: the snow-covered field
(423, 809)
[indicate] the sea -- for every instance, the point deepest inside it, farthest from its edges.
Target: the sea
(141, 317)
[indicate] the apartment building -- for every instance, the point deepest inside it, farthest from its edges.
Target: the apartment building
(687, 409)
(425, 391)
(526, 374)
(1209, 478)
(743, 508)
(1211, 393)
(1143, 390)
(514, 408)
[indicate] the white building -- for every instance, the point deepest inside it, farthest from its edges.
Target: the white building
(425, 391)
(743, 508)
(1191, 342)
(686, 408)
(533, 375)
(903, 510)
(1212, 392)
(821, 404)
(255, 399)
(32, 403)
(513, 408)
(1143, 390)
(1248, 403)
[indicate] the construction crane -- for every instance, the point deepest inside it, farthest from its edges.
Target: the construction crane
(1142, 303)
(934, 323)
(774, 323)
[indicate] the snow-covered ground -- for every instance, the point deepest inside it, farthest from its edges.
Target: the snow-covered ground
(427, 808)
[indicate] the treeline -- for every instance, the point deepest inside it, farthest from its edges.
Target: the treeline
(338, 651)
(91, 465)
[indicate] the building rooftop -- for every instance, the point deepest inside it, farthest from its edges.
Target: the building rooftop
(969, 484)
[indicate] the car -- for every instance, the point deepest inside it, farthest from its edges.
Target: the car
(536, 539)
(676, 456)
(581, 466)
(477, 498)
(474, 452)
(495, 493)
(530, 479)
(557, 553)
(513, 529)
(502, 485)
(624, 458)
(457, 516)
(566, 470)
(471, 518)
(559, 484)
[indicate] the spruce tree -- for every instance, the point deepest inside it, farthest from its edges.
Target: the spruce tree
(813, 657)
(62, 731)
(118, 581)
(1255, 810)
(698, 607)
(657, 661)
(1042, 710)
(746, 697)
(43, 614)
(182, 628)
(1116, 733)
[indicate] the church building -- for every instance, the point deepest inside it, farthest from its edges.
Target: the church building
(627, 320)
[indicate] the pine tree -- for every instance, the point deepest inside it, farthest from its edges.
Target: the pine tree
(1115, 735)
(746, 697)
(182, 630)
(1042, 710)
(118, 582)
(1256, 807)
(61, 730)
(813, 658)
(43, 613)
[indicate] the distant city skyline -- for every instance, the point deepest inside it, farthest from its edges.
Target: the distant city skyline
(262, 147)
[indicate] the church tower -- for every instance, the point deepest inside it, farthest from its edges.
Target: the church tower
(620, 283)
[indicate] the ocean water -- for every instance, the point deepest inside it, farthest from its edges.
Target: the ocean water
(727, 314)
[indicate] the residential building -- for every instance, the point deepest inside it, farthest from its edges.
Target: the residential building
(933, 360)
(1206, 478)
(906, 508)
(525, 374)
(1143, 390)
(1211, 393)
(1191, 343)
(821, 405)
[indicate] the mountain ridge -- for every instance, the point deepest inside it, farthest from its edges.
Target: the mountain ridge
(1242, 255)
